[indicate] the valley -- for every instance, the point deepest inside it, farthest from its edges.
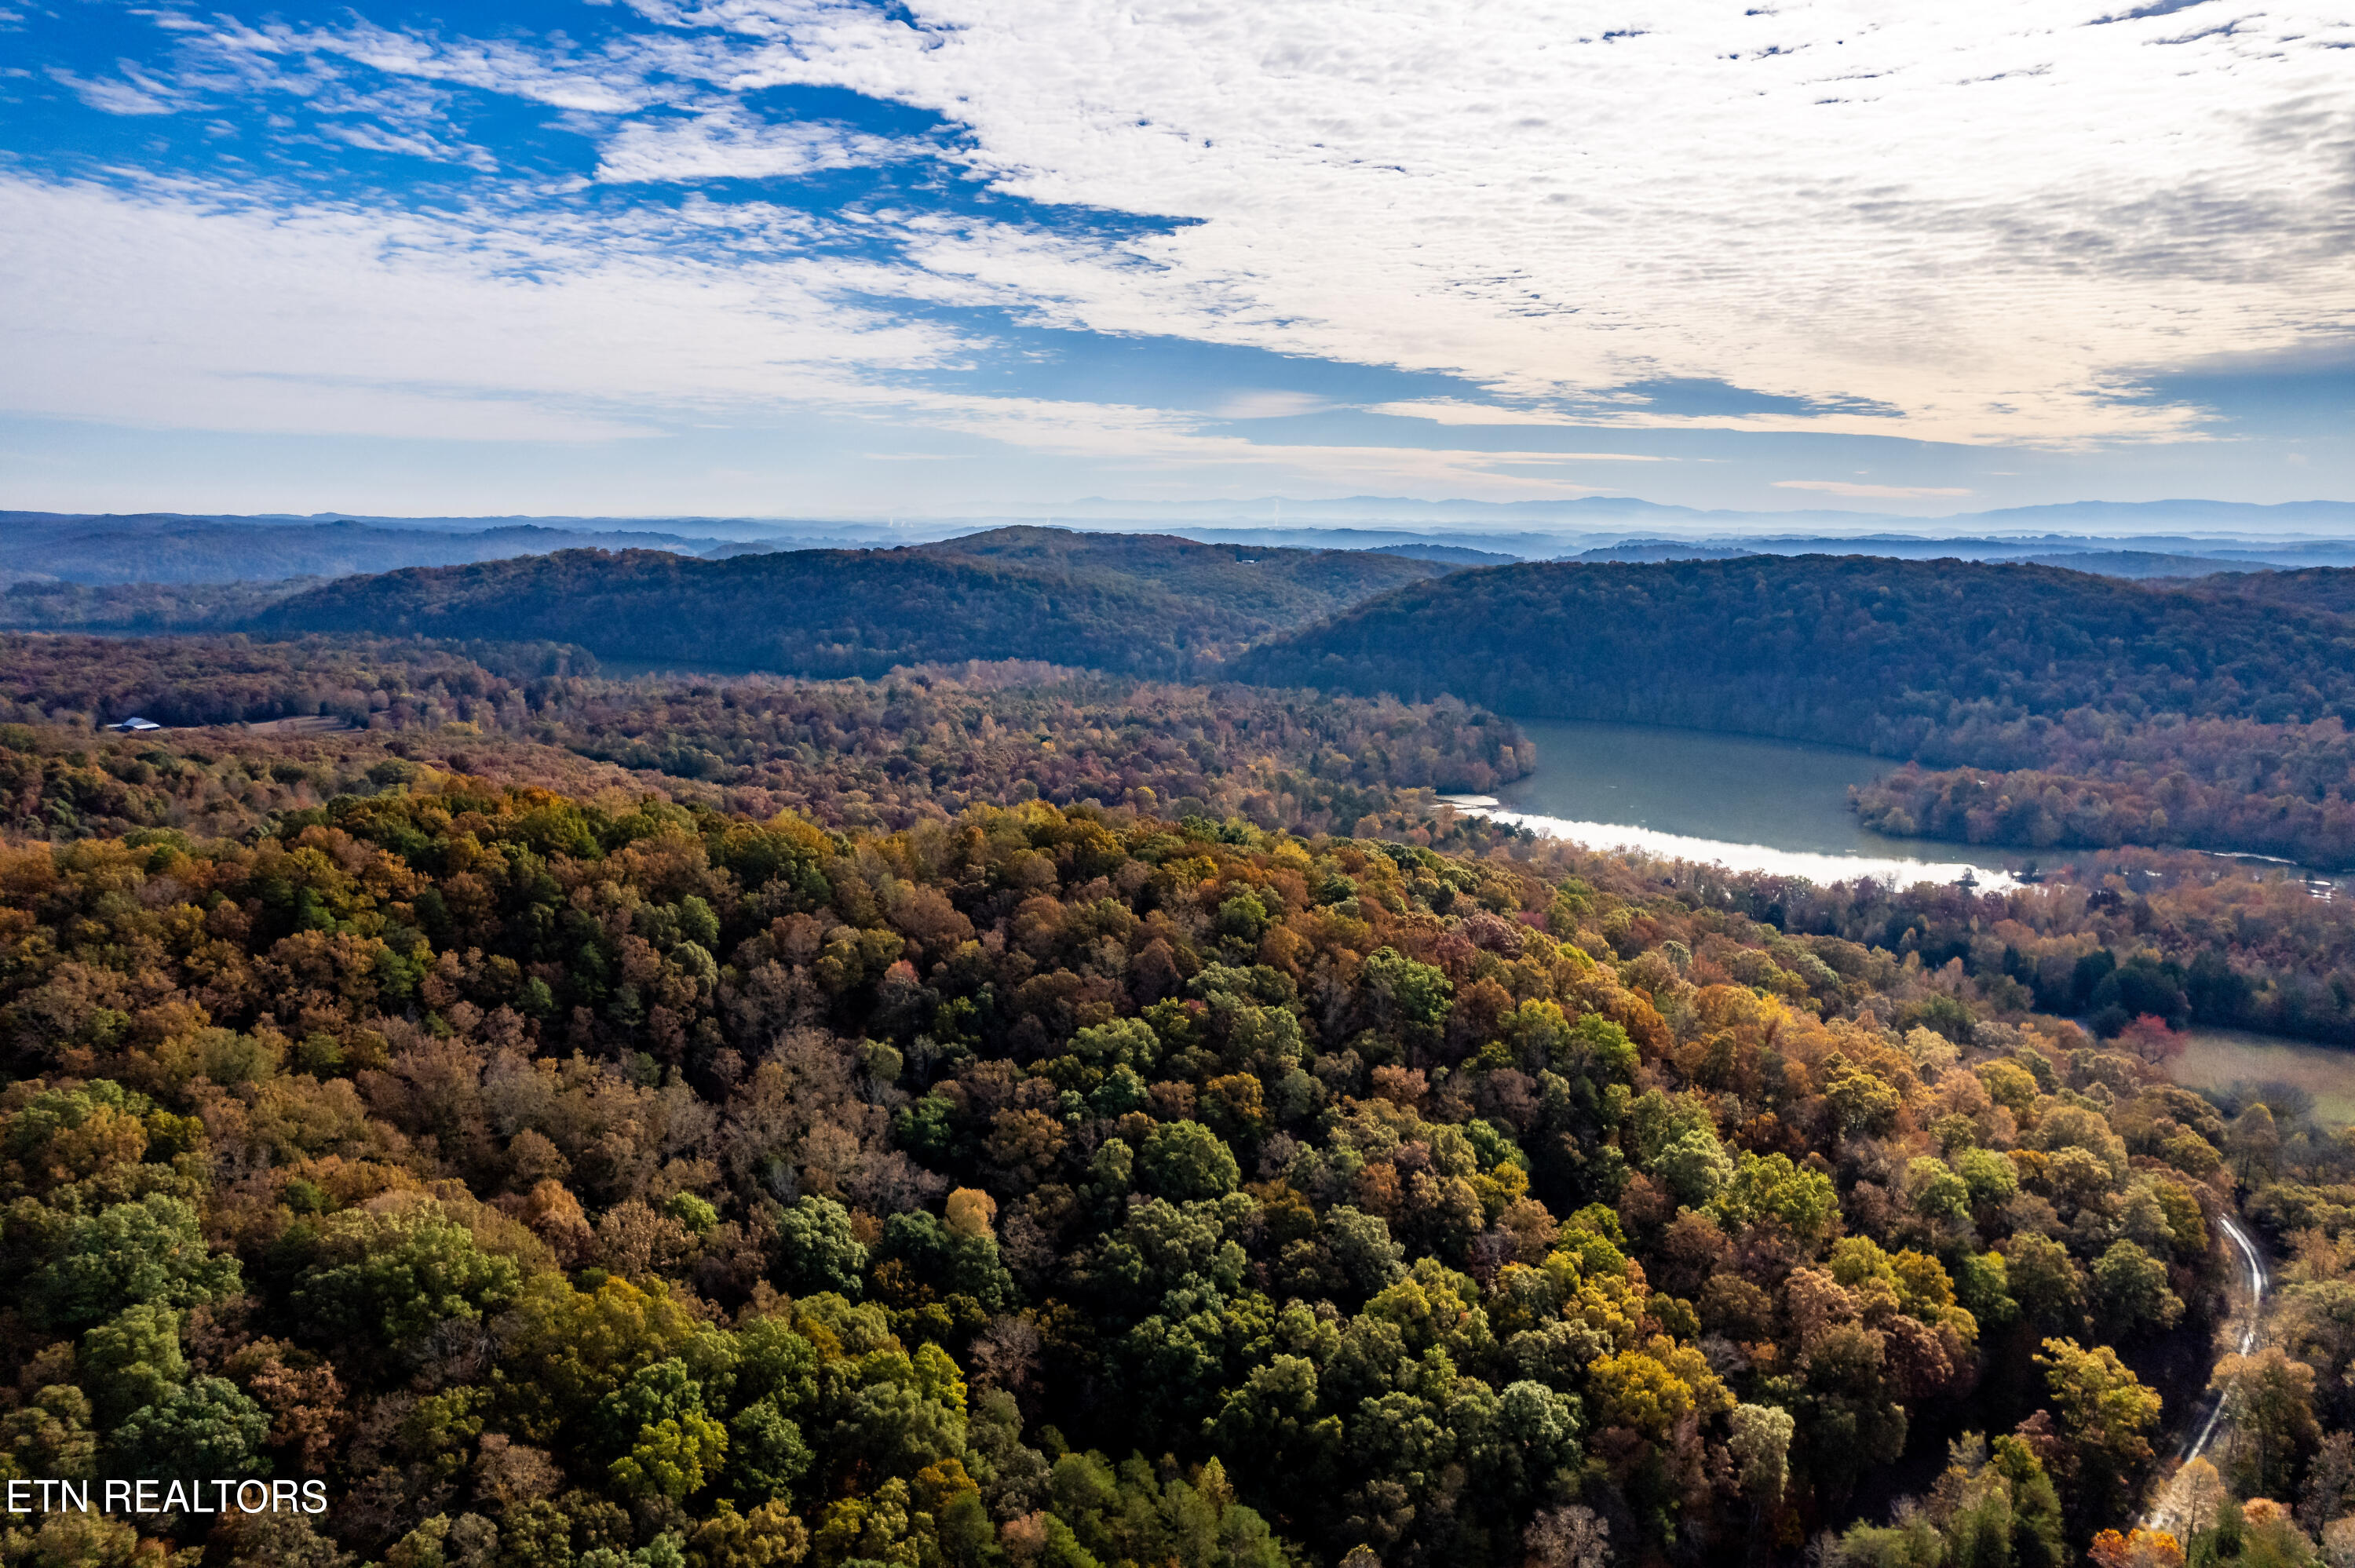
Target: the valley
(958, 972)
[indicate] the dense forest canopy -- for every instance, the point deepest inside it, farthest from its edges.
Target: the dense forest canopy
(1281, 586)
(2239, 950)
(557, 1179)
(2331, 589)
(928, 741)
(1139, 605)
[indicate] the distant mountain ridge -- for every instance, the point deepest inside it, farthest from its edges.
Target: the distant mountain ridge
(1605, 511)
(157, 548)
(175, 548)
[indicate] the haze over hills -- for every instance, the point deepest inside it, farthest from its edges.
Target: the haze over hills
(167, 549)
(1617, 513)
(199, 549)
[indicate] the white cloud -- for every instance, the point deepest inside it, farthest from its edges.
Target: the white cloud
(1270, 406)
(172, 306)
(176, 307)
(1983, 223)
(412, 144)
(1935, 208)
(728, 144)
(591, 84)
(1876, 491)
(127, 96)
(1456, 411)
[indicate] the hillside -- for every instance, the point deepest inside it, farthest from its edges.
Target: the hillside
(1281, 587)
(1911, 657)
(2140, 564)
(1139, 605)
(2328, 589)
(48, 604)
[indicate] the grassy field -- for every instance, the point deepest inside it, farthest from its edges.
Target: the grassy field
(2216, 1058)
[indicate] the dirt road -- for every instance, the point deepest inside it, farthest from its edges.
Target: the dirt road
(2248, 1326)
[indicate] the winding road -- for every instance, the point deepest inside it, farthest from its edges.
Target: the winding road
(2252, 1321)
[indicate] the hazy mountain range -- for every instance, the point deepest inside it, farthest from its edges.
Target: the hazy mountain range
(2168, 538)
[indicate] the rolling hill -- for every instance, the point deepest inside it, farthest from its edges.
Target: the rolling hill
(2330, 591)
(1912, 658)
(1136, 604)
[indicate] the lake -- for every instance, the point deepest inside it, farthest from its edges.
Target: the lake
(1753, 804)
(2219, 1058)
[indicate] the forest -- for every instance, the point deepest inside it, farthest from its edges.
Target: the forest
(925, 744)
(50, 604)
(2208, 716)
(928, 741)
(1130, 604)
(2039, 706)
(622, 1182)
(1927, 659)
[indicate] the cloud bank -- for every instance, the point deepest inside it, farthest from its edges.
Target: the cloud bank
(1997, 225)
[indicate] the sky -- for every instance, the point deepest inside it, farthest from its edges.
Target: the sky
(822, 258)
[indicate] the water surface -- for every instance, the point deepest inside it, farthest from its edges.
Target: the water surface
(1750, 803)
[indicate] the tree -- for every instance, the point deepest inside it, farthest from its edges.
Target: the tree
(2043, 1278)
(2254, 1142)
(2036, 1534)
(148, 1252)
(1912, 1542)
(1362, 1246)
(673, 1456)
(1570, 1537)
(2109, 1416)
(1185, 1161)
(2134, 1549)
(767, 1453)
(395, 1275)
(769, 1536)
(1865, 1101)
(1695, 1166)
(205, 1427)
(2271, 1401)
(2329, 1481)
(1774, 1188)
(818, 1249)
(2200, 1493)
(49, 1434)
(2130, 1292)
(1761, 1445)
(134, 1359)
(1414, 998)
(1938, 1192)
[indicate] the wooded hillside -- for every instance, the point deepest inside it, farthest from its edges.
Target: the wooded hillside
(1136, 605)
(2120, 713)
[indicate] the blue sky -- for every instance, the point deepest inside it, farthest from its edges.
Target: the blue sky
(822, 258)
